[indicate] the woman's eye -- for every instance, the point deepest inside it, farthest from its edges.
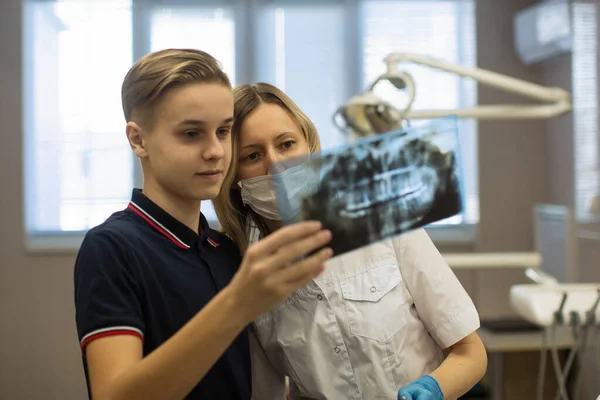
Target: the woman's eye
(287, 145)
(251, 157)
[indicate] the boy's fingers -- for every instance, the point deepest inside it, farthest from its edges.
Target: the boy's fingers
(303, 280)
(284, 236)
(288, 254)
(305, 269)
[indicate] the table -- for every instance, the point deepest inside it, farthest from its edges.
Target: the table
(499, 343)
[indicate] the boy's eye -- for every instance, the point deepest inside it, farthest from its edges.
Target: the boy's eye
(190, 134)
(223, 131)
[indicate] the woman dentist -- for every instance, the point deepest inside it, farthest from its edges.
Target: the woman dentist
(383, 321)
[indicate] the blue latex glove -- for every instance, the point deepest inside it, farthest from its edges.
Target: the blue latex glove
(424, 388)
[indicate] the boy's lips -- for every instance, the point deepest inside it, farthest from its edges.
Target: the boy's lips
(210, 172)
(213, 174)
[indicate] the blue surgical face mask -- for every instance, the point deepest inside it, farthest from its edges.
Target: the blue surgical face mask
(261, 195)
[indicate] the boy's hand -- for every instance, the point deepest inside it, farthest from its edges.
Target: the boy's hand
(273, 267)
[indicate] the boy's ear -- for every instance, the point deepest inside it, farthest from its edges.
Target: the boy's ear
(137, 138)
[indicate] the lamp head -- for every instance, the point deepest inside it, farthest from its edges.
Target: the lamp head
(366, 114)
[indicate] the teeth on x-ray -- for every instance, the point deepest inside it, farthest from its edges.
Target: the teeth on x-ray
(381, 187)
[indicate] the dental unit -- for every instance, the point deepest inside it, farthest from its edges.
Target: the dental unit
(550, 305)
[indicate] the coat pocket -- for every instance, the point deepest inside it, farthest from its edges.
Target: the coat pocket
(376, 302)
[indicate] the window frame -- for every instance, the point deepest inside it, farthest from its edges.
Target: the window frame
(63, 242)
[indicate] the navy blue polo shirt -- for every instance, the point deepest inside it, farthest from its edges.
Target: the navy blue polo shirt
(144, 273)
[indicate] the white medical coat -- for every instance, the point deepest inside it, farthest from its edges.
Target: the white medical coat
(375, 320)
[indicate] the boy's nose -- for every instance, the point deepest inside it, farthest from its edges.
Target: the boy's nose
(214, 149)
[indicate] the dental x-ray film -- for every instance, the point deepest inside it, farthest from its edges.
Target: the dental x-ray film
(375, 188)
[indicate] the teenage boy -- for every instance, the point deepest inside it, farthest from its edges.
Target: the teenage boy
(163, 301)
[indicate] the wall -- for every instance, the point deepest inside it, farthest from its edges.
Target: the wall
(39, 355)
(511, 160)
(560, 166)
(511, 156)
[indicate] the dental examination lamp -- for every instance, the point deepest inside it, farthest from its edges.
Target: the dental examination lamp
(366, 114)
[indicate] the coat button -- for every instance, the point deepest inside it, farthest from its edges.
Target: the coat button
(319, 297)
(373, 289)
(337, 349)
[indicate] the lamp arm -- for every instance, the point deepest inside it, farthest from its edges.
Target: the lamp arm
(489, 78)
(497, 112)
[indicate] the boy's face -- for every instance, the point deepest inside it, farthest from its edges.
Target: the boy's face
(187, 150)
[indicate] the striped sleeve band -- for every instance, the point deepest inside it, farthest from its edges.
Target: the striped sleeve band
(112, 331)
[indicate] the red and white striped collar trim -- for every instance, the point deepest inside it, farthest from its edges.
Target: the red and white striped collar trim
(163, 229)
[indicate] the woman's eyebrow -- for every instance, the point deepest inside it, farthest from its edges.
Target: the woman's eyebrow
(248, 146)
(286, 133)
(279, 136)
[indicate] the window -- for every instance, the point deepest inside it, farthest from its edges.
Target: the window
(78, 166)
(75, 143)
(446, 29)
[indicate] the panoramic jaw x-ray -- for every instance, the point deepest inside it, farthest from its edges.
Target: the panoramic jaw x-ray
(376, 187)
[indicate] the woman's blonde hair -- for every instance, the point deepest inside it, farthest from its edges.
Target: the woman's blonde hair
(233, 215)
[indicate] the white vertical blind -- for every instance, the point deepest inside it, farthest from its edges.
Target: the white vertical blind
(75, 142)
(299, 48)
(211, 29)
(585, 106)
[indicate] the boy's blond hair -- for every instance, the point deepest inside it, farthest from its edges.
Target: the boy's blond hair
(153, 75)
